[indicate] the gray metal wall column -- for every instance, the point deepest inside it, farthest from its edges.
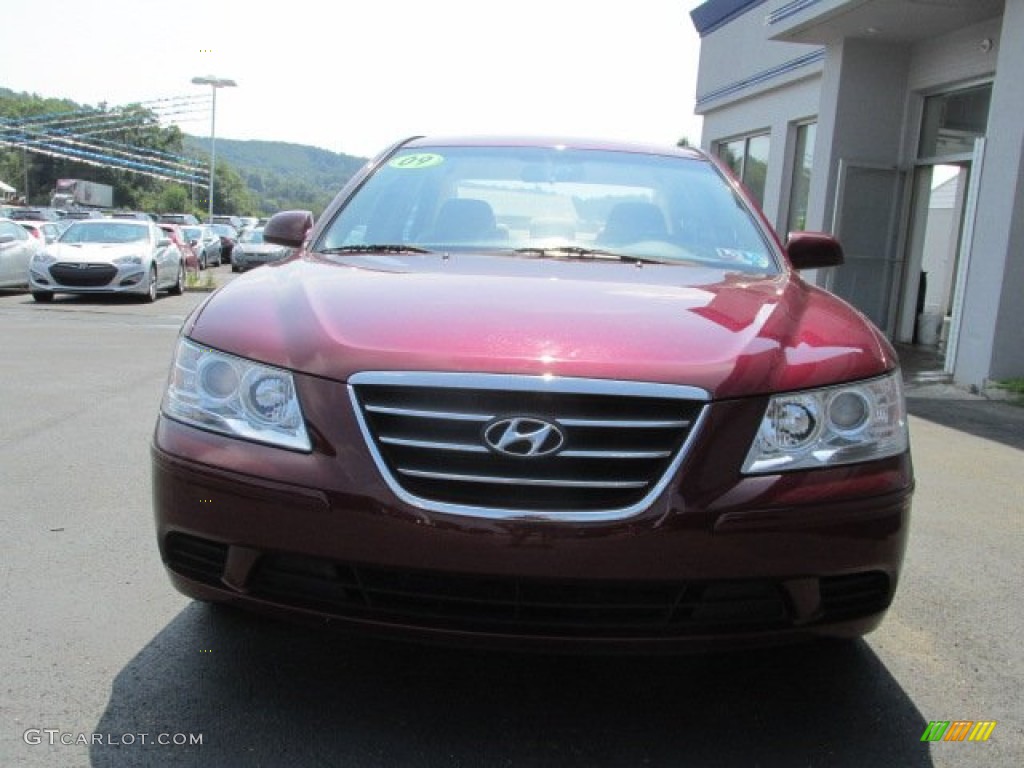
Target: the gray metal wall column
(861, 115)
(992, 329)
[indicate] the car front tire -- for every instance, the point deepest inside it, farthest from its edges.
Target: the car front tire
(42, 297)
(151, 290)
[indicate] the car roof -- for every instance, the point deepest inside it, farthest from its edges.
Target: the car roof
(105, 222)
(552, 142)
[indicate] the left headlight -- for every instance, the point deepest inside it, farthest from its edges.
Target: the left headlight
(845, 424)
(234, 396)
(124, 261)
(42, 258)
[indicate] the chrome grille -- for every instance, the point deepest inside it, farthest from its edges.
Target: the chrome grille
(434, 438)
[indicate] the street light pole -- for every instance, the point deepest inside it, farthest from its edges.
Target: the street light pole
(214, 83)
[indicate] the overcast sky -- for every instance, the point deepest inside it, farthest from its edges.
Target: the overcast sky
(353, 77)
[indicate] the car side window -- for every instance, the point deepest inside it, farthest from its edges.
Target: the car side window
(18, 232)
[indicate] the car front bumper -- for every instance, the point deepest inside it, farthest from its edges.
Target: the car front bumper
(89, 278)
(248, 260)
(717, 559)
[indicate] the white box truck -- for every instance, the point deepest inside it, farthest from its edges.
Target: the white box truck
(74, 193)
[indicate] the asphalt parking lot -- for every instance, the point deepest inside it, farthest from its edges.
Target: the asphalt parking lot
(102, 653)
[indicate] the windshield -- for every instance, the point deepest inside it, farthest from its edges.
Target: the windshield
(252, 236)
(549, 202)
(107, 232)
(193, 233)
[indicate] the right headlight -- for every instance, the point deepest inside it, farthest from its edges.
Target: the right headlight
(234, 396)
(846, 424)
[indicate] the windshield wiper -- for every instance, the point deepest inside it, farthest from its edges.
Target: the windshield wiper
(375, 248)
(588, 253)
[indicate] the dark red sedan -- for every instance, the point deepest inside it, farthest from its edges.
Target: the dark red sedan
(526, 392)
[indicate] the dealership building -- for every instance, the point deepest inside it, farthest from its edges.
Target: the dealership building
(897, 125)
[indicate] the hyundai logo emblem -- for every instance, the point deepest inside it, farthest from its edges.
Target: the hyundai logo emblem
(528, 437)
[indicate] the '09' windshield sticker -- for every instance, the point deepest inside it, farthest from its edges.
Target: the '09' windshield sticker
(417, 161)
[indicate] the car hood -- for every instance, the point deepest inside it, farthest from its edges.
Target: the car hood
(729, 333)
(95, 252)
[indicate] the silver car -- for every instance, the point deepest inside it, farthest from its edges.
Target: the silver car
(17, 247)
(251, 251)
(108, 256)
(206, 243)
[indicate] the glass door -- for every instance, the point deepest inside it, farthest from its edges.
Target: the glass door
(866, 220)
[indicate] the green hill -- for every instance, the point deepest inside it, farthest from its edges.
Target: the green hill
(254, 177)
(281, 175)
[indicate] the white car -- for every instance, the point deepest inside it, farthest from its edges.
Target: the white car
(108, 256)
(17, 247)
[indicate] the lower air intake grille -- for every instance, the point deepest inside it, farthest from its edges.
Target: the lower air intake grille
(855, 595)
(83, 275)
(196, 558)
(521, 606)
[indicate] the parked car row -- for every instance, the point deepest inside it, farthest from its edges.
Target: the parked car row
(116, 254)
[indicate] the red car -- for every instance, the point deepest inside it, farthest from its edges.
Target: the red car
(556, 393)
(188, 254)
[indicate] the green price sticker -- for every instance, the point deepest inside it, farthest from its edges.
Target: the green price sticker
(415, 162)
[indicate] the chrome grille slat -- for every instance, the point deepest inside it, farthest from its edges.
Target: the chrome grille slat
(615, 445)
(439, 446)
(433, 445)
(623, 424)
(491, 480)
(614, 454)
(429, 414)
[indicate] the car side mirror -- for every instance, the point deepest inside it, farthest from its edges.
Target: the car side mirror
(288, 228)
(813, 250)
(193, 242)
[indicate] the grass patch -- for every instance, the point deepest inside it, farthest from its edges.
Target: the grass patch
(1014, 386)
(198, 281)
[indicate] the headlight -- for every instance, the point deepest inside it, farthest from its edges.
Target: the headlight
(42, 258)
(829, 427)
(235, 397)
(124, 261)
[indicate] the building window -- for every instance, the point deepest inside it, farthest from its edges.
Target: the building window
(803, 160)
(748, 159)
(952, 121)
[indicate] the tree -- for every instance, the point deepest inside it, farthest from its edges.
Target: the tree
(231, 196)
(125, 147)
